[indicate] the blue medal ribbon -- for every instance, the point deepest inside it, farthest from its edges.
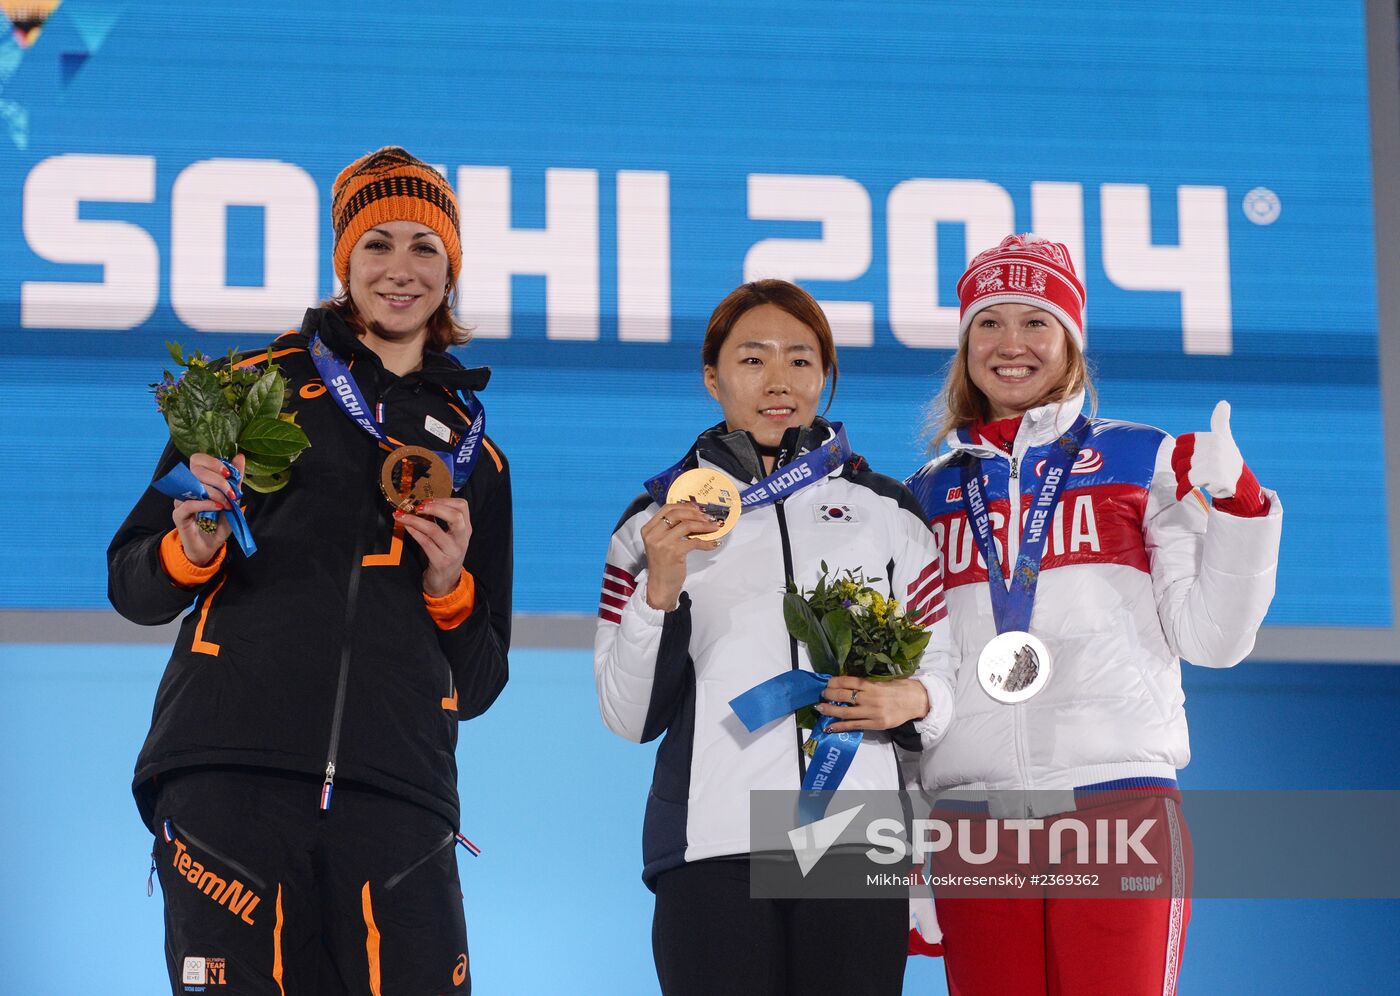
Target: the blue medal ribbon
(830, 762)
(181, 484)
(343, 387)
(780, 696)
(1012, 608)
(782, 483)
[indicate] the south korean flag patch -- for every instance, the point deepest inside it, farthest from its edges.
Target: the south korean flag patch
(835, 513)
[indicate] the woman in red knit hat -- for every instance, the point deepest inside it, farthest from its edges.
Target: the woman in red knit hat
(299, 774)
(1081, 563)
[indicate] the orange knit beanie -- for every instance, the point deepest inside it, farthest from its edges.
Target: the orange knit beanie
(391, 185)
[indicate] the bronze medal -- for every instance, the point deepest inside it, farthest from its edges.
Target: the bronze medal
(413, 475)
(714, 492)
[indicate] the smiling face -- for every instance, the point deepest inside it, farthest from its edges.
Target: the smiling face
(768, 376)
(1017, 355)
(398, 277)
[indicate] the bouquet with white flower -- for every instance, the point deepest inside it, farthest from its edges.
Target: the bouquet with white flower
(849, 627)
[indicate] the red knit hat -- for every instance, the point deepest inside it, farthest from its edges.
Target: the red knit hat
(391, 185)
(1024, 269)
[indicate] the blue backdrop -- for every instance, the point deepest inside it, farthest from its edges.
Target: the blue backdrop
(166, 174)
(555, 903)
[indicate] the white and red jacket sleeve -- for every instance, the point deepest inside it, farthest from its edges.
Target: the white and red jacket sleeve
(917, 584)
(640, 654)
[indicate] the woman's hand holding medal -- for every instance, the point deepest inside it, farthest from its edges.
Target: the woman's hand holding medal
(201, 547)
(412, 479)
(444, 545)
(861, 704)
(669, 537)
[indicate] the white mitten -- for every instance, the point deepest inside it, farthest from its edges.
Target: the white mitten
(1212, 461)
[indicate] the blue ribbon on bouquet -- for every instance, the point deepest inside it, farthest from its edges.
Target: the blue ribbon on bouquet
(182, 485)
(782, 695)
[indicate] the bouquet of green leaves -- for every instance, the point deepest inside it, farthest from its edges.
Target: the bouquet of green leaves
(224, 410)
(850, 628)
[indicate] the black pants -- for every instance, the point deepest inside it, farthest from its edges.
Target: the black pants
(266, 894)
(709, 937)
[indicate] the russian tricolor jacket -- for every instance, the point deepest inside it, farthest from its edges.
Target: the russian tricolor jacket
(1132, 581)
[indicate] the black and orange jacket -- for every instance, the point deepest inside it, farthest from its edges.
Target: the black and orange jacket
(322, 649)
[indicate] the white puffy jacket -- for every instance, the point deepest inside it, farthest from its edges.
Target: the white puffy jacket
(675, 672)
(1132, 580)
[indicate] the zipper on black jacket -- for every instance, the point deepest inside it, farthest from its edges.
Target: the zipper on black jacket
(792, 640)
(352, 594)
(395, 880)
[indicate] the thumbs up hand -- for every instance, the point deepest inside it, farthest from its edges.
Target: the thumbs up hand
(1208, 460)
(1212, 461)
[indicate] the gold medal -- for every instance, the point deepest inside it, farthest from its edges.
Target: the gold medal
(413, 475)
(714, 492)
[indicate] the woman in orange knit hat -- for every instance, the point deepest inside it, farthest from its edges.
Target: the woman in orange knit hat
(299, 774)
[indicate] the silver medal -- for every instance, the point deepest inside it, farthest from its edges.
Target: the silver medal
(1013, 667)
